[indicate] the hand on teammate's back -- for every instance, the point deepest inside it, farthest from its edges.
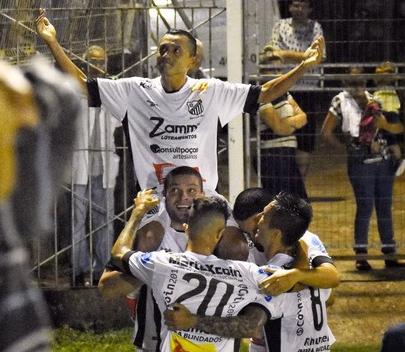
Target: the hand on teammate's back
(178, 317)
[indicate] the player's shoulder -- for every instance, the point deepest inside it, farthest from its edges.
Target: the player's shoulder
(312, 240)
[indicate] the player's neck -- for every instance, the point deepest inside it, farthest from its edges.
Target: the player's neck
(199, 248)
(177, 226)
(173, 83)
(273, 250)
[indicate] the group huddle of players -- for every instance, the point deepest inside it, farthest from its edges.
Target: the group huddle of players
(188, 298)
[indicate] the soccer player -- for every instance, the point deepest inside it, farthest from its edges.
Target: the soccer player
(298, 319)
(160, 231)
(169, 122)
(247, 211)
(196, 278)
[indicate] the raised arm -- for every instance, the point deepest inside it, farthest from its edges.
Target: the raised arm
(144, 202)
(248, 324)
(47, 33)
(278, 86)
(114, 283)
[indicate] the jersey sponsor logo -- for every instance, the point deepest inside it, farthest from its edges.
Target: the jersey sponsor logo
(300, 315)
(195, 107)
(184, 342)
(179, 150)
(316, 344)
(146, 84)
(210, 268)
(161, 128)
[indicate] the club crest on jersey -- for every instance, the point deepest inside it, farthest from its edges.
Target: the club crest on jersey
(145, 84)
(195, 107)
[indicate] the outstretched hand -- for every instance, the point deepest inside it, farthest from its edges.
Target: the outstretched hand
(178, 317)
(314, 54)
(44, 28)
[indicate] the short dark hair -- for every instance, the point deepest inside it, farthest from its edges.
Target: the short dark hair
(181, 171)
(249, 202)
(291, 215)
(203, 209)
(191, 40)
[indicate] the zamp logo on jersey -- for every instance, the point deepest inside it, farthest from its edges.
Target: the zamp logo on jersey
(195, 107)
(161, 128)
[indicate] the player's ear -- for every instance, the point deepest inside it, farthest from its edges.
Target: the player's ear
(219, 235)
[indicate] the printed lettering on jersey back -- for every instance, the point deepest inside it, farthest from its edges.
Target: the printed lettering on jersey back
(180, 344)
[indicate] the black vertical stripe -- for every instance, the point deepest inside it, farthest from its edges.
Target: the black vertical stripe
(94, 99)
(158, 322)
(125, 128)
(236, 345)
(272, 335)
(140, 317)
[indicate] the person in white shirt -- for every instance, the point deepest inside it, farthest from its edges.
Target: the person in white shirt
(297, 320)
(198, 279)
(94, 172)
(170, 122)
(162, 230)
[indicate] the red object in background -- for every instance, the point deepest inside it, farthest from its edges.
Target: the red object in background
(131, 302)
(368, 127)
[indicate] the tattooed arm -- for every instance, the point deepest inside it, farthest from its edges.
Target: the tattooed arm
(248, 324)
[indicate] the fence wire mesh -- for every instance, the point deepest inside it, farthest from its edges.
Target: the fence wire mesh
(358, 33)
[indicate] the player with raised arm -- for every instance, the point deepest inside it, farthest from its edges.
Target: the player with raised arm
(298, 319)
(169, 122)
(160, 231)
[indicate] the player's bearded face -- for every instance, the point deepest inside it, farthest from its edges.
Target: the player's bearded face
(179, 197)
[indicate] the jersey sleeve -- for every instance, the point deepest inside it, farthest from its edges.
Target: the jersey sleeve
(317, 253)
(335, 108)
(232, 98)
(140, 265)
(114, 95)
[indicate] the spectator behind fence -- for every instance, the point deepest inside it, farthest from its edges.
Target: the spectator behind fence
(94, 171)
(390, 103)
(278, 144)
(170, 123)
(291, 37)
(370, 165)
(37, 108)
